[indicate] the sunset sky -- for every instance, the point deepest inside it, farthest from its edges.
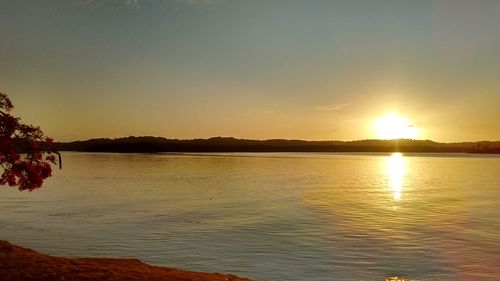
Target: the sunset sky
(315, 70)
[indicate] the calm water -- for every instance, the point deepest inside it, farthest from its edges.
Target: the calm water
(271, 216)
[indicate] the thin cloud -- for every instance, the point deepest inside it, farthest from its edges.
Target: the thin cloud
(263, 111)
(200, 2)
(281, 125)
(138, 2)
(83, 2)
(332, 107)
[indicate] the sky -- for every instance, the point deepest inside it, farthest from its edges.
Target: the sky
(314, 70)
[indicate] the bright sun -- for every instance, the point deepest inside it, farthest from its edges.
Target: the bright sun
(393, 126)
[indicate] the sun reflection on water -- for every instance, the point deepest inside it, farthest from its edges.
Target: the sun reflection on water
(397, 278)
(396, 171)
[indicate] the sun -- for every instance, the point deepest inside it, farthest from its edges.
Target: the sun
(394, 126)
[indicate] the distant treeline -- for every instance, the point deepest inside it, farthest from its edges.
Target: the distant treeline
(228, 144)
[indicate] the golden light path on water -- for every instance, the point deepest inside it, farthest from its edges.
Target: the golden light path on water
(396, 168)
(396, 172)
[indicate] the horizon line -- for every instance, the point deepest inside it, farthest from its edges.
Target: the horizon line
(268, 139)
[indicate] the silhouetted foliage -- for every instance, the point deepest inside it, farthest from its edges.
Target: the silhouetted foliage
(228, 144)
(22, 149)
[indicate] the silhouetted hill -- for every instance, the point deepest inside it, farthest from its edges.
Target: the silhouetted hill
(229, 144)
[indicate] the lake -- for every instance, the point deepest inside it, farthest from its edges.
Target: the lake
(271, 216)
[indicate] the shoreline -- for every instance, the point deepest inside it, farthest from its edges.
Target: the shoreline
(149, 144)
(18, 263)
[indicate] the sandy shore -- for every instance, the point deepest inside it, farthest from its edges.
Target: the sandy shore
(17, 263)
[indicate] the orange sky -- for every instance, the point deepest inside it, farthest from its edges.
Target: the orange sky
(253, 69)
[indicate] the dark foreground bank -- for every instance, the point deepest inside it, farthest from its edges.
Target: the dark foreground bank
(20, 264)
